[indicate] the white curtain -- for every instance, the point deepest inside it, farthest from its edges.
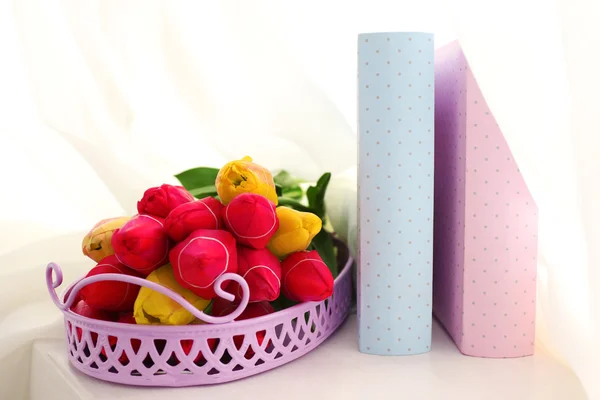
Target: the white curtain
(102, 99)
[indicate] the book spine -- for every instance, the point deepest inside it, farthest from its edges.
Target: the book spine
(395, 192)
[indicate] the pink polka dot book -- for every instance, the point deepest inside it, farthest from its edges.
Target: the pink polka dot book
(485, 222)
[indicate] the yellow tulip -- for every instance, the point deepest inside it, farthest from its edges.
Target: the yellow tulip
(153, 308)
(97, 243)
(244, 176)
(296, 230)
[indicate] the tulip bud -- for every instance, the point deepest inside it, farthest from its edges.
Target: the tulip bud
(306, 277)
(110, 295)
(84, 309)
(142, 244)
(159, 201)
(97, 243)
(188, 217)
(262, 272)
(296, 230)
(251, 219)
(244, 176)
(153, 308)
(222, 307)
(201, 258)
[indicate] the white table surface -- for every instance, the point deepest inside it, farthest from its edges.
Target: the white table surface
(336, 370)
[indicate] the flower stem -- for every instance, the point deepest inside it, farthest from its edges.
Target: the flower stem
(285, 201)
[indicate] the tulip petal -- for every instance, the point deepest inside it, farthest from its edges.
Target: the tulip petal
(110, 295)
(97, 243)
(306, 277)
(244, 176)
(142, 243)
(262, 272)
(290, 242)
(188, 217)
(152, 308)
(201, 258)
(159, 201)
(251, 219)
(296, 231)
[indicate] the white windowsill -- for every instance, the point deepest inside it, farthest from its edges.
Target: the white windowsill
(336, 370)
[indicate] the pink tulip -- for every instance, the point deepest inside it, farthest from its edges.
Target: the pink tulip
(159, 201)
(201, 258)
(142, 244)
(110, 295)
(251, 219)
(262, 272)
(306, 277)
(188, 217)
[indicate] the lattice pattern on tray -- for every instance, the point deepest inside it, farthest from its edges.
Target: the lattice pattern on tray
(204, 354)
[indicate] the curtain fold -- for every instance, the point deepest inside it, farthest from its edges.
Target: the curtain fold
(107, 98)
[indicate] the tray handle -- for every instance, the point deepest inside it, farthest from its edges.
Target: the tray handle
(53, 270)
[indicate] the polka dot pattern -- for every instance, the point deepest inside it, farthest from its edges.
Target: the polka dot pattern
(485, 223)
(395, 185)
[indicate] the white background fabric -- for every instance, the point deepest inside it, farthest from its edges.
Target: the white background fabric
(102, 99)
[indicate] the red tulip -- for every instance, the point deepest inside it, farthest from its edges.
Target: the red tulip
(75, 300)
(188, 217)
(306, 277)
(159, 201)
(110, 295)
(201, 258)
(142, 244)
(252, 219)
(126, 318)
(222, 307)
(262, 272)
(84, 309)
(187, 344)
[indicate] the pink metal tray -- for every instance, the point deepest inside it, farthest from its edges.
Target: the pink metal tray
(189, 355)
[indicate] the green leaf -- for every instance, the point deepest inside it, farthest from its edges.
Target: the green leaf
(316, 195)
(203, 192)
(285, 180)
(289, 185)
(278, 190)
(323, 243)
(291, 203)
(198, 177)
(293, 193)
(282, 303)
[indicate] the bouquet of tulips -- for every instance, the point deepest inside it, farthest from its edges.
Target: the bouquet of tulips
(237, 219)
